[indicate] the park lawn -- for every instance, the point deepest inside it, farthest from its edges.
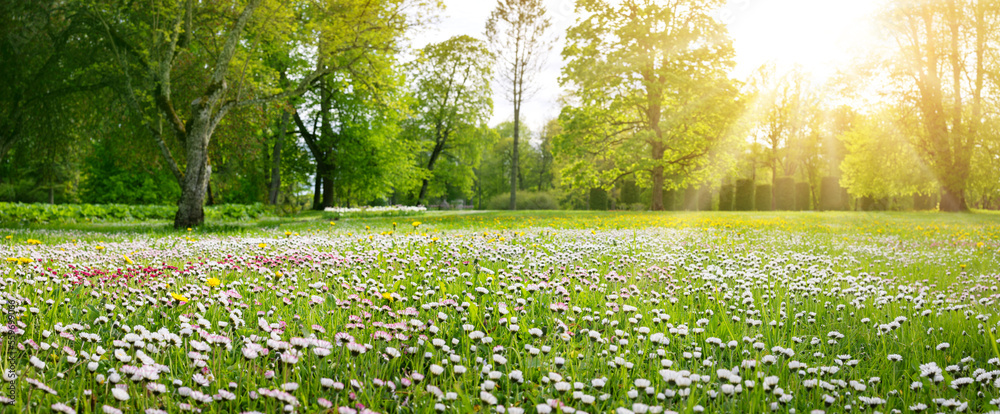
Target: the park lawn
(508, 311)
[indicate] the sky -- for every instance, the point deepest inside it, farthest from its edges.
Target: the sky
(818, 35)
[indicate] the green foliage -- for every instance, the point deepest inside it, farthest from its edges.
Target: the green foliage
(802, 198)
(924, 202)
(526, 200)
(690, 200)
(110, 178)
(881, 162)
(598, 199)
(744, 200)
(726, 197)
(23, 213)
(762, 197)
(452, 103)
(629, 65)
(830, 195)
(671, 199)
(784, 194)
(629, 192)
(704, 198)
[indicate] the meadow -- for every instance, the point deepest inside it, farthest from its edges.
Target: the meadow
(525, 312)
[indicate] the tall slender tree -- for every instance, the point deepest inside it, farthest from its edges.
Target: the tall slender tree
(516, 32)
(453, 101)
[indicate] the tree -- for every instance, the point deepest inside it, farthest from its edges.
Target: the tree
(516, 31)
(783, 106)
(354, 137)
(453, 100)
(941, 50)
(647, 77)
(218, 46)
(44, 60)
(880, 160)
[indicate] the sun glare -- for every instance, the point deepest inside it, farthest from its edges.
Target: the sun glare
(820, 36)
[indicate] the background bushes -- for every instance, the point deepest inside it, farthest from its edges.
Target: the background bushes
(726, 197)
(802, 199)
(72, 213)
(744, 200)
(784, 193)
(598, 199)
(830, 194)
(526, 200)
(762, 197)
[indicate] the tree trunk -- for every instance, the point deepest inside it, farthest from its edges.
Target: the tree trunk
(657, 173)
(191, 209)
(953, 200)
(422, 198)
(327, 187)
(272, 196)
(657, 148)
(435, 153)
(318, 187)
(513, 163)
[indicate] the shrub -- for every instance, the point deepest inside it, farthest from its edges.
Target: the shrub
(638, 207)
(802, 198)
(526, 200)
(705, 198)
(598, 199)
(874, 204)
(784, 193)
(669, 200)
(629, 193)
(690, 202)
(924, 202)
(744, 195)
(726, 197)
(829, 194)
(762, 197)
(72, 213)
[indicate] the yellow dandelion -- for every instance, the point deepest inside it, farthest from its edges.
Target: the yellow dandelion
(129, 261)
(262, 245)
(179, 297)
(417, 224)
(388, 297)
(213, 282)
(99, 247)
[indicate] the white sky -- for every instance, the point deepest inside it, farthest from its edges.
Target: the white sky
(819, 35)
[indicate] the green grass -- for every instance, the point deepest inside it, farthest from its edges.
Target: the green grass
(812, 274)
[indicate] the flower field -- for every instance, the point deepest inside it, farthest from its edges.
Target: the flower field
(511, 313)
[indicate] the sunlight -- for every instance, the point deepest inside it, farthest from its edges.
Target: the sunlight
(821, 36)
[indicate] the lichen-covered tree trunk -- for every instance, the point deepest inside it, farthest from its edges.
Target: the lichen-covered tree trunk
(190, 209)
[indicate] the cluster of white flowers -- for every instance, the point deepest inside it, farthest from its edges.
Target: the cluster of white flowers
(376, 210)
